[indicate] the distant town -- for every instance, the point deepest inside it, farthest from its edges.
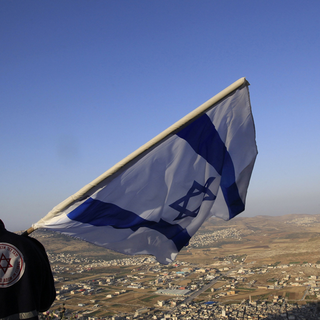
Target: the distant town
(223, 286)
(81, 295)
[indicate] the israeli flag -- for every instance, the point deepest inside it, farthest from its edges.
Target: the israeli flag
(154, 203)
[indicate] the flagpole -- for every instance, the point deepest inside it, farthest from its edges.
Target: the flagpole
(28, 231)
(136, 155)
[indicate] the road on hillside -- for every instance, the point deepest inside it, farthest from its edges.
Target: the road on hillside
(305, 293)
(205, 287)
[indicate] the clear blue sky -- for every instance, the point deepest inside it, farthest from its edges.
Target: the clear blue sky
(85, 83)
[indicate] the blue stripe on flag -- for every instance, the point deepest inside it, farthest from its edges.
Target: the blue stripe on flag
(98, 213)
(203, 137)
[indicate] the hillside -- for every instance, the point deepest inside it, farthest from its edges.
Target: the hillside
(261, 238)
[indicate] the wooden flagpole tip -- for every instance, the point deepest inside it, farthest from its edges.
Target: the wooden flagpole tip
(27, 232)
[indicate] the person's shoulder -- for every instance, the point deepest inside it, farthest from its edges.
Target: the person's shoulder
(5, 234)
(21, 240)
(35, 242)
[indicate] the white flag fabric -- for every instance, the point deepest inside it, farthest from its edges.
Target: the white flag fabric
(157, 203)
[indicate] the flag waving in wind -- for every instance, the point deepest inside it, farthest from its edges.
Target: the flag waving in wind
(156, 199)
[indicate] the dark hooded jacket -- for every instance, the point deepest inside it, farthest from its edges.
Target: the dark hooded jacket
(26, 281)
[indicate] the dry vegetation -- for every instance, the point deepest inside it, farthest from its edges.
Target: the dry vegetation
(264, 240)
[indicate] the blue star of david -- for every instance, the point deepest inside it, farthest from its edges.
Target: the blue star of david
(196, 189)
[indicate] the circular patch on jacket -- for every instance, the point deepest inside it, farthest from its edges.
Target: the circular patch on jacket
(12, 265)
